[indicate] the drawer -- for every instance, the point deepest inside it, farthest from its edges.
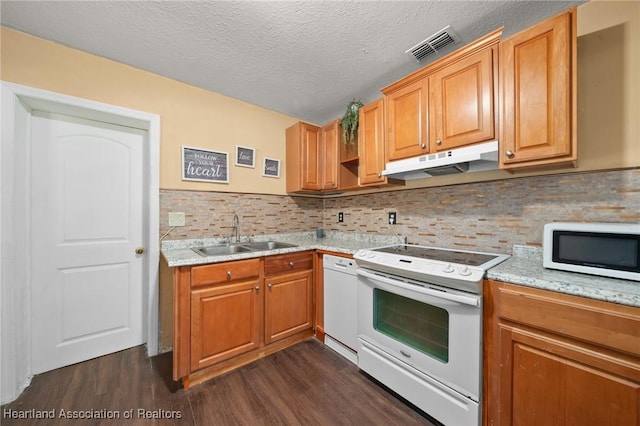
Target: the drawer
(221, 273)
(288, 262)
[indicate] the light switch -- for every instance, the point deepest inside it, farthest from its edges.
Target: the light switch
(176, 218)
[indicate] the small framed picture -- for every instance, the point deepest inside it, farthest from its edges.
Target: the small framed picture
(204, 165)
(271, 168)
(245, 156)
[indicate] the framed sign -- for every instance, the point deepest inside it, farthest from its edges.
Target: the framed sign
(271, 168)
(245, 157)
(204, 165)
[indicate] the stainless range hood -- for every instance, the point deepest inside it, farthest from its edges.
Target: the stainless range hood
(473, 158)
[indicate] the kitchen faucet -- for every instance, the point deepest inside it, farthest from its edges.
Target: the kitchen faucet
(235, 223)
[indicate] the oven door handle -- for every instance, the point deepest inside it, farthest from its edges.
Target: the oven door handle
(466, 300)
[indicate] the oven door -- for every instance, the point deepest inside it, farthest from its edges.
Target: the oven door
(435, 330)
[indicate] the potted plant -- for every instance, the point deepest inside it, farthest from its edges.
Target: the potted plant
(349, 122)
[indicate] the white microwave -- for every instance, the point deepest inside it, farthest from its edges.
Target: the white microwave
(606, 249)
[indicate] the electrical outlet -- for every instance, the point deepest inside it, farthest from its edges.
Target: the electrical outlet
(176, 219)
(392, 218)
(340, 217)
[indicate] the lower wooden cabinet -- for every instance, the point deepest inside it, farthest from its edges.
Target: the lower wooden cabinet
(226, 321)
(229, 314)
(288, 305)
(288, 295)
(555, 359)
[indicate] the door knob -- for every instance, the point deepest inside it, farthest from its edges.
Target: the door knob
(139, 250)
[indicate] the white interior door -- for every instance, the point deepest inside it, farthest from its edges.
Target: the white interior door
(87, 203)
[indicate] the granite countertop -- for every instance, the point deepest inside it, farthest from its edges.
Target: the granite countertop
(180, 253)
(525, 268)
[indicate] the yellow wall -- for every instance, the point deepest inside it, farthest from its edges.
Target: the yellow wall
(189, 115)
(609, 84)
(608, 102)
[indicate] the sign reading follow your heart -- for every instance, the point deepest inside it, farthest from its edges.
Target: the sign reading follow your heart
(204, 165)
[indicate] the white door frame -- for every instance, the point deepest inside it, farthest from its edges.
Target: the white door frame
(15, 303)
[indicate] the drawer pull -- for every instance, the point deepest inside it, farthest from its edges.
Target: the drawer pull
(291, 264)
(229, 274)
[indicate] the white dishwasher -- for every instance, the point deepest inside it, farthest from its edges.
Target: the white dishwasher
(340, 306)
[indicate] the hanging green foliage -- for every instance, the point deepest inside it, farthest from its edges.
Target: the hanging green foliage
(349, 121)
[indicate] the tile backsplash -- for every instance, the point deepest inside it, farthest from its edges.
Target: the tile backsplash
(210, 214)
(491, 216)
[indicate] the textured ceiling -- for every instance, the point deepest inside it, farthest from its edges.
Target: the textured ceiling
(307, 59)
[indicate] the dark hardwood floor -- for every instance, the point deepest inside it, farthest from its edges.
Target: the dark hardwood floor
(307, 384)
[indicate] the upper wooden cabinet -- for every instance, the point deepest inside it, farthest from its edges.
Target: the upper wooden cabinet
(461, 101)
(371, 144)
(331, 136)
(406, 120)
(446, 104)
(312, 157)
(538, 95)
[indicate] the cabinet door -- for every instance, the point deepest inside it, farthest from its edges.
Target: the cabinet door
(461, 102)
(225, 322)
(550, 381)
(371, 143)
(329, 160)
(406, 111)
(288, 305)
(311, 160)
(538, 94)
(557, 359)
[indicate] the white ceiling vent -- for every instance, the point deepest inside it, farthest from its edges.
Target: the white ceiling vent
(434, 44)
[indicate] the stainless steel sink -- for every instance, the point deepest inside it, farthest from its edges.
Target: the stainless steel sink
(267, 245)
(224, 249)
(220, 250)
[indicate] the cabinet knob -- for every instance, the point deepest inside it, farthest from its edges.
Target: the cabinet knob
(229, 274)
(270, 285)
(257, 288)
(423, 145)
(291, 264)
(139, 250)
(438, 142)
(509, 154)
(379, 174)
